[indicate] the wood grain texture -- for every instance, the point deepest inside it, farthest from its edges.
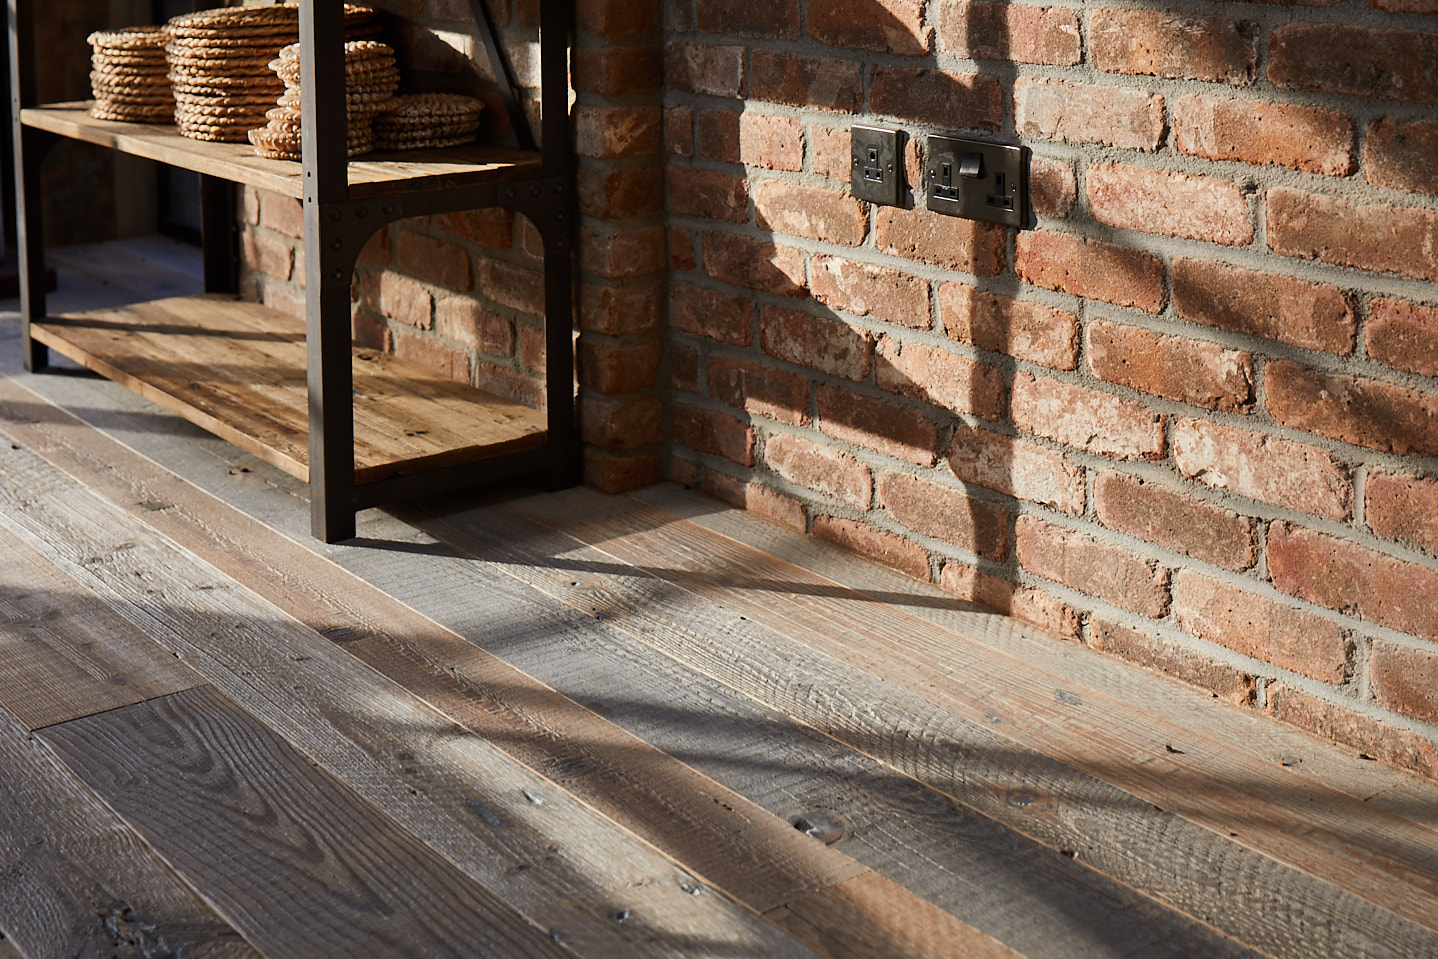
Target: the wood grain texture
(376, 175)
(63, 653)
(76, 881)
(296, 861)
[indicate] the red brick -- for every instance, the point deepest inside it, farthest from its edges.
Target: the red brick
(1375, 237)
(1029, 331)
(1405, 680)
(1172, 659)
(1084, 113)
(376, 249)
(937, 97)
(282, 214)
(615, 71)
(755, 264)
(937, 376)
(613, 194)
(620, 472)
(829, 153)
(249, 205)
(710, 313)
(1022, 602)
(1354, 580)
(1014, 33)
(679, 131)
(621, 251)
(433, 261)
(1175, 204)
(444, 360)
(1263, 467)
(1016, 467)
(1342, 58)
(466, 321)
(284, 299)
(777, 394)
(1161, 44)
(796, 81)
(371, 333)
(494, 227)
(1053, 189)
(402, 299)
(816, 214)
(704, 68)
(954, 244)
(1376, 739)
(1404, 335)
(1310, 139)
(824, 343)
(1403, 156)
(887, 26)
(867, 290)
(946, 514)
(776, 20)
(505, 382)
(1073, 264)
(684, 367)
(616, 18)
(886, 548)
(1086, 419)
(266, 254)
(1363, 412)
(887, 428)
(612, 132)
(681, 250)
(766, 504)
(770, 142)
(1405, 6)
(1402, 508)
(716, 135)
(533, 349)
(618, 367)
(716, 433)
(706, 193)
(821, 469)
(617, 310)
(1169, 518)
(1092, 567)
(623, 422)
(1314, 316)
(510, 285)
(1189, 371)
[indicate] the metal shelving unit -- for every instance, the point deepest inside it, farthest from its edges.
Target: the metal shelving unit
(361, 428)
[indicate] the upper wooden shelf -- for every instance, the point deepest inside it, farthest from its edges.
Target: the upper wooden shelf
(373, 175)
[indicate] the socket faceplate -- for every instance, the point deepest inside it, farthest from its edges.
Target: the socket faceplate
(977, 180)
(875, 173)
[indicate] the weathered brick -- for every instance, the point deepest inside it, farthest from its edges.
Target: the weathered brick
(967, 245)
(888, 26)
(433, 261)
(711, 313)
(1094, 568)
(684, 368)
(1016, 467)
(822, 469)
(1021, 602)
(266, 254)
(1175, 204)
(1405, 679)
(797, 81)
(704, 68)
(1375, 237)
(1012, 32)
(716, 135)
(1162, 44)
(946, 514)
(937, 97)
(1374, 738)
(1084, 113)
(622, 422)
(615, 18)
(617, 367)
(510, 285)
(1403, 156)
(282, 214)
(1172, 659)
(612, 132)
(613, 194)
(621, 251)
(532, 349)
(466, 321)
(938, 376)
(679, 131)
(810, 212)
(706, 193)
(1263, 467)
(1053, 188)
(902, 554)
(887, 428)
(1073, 264)
(620, 472)
(718, 434)
(1404, 335)
(756, 264)
(405, 300)
(1343, 58)
(503, 381)
(776, 20)
(1189, 371)
(829, 152)
(1167, 517)
(777, 394)
(769, 505)
(1311, 139)
(445, 360)
(770, 142)
(1314, 316)
(867, 290)
(1402, 508)
(494, 227)
(1354, 580)
(824, 343)
(1086, 418)
(681, 250)
(1363, 412)
(617, 310)
(1405, 6)
(615, 71)
(1029, 331)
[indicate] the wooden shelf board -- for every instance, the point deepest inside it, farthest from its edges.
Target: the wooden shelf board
(237, 369)
(375, 174)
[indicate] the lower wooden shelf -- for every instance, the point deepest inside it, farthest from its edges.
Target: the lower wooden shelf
(237, 369)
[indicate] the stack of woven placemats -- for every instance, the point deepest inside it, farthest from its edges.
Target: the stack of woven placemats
(428, 121)
(371, 78)
(128, 75)
(219, 66)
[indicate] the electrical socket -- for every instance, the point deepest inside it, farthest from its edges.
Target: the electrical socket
(977, 180)
(876, 173)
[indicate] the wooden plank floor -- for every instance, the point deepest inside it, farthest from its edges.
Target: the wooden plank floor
(573, 724)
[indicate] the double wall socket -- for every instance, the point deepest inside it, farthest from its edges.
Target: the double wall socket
(876, 173)
(977, 180)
